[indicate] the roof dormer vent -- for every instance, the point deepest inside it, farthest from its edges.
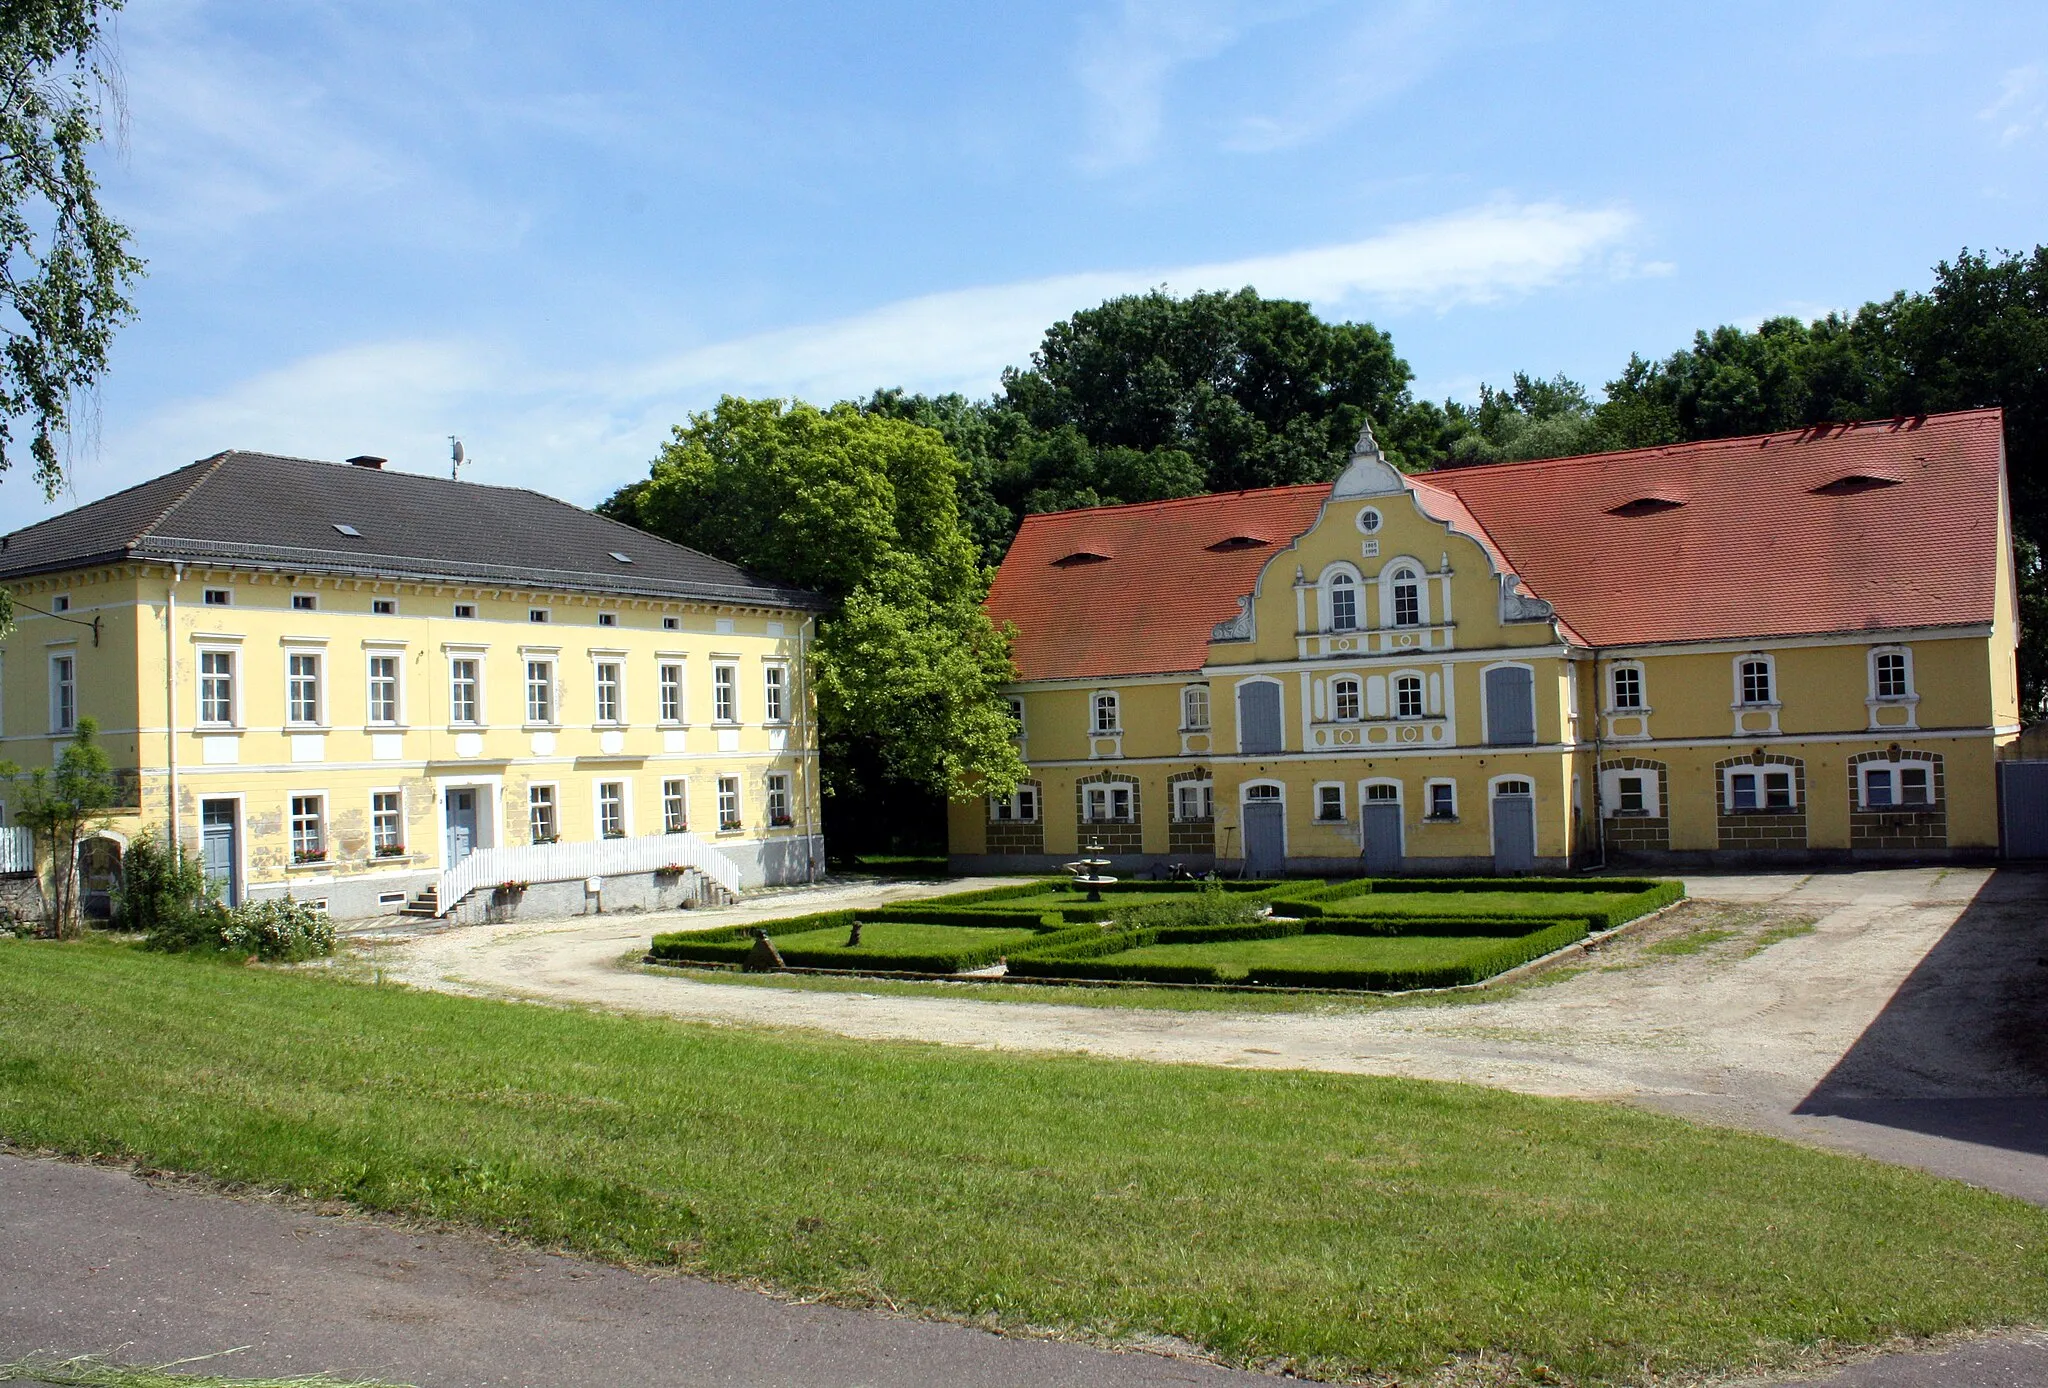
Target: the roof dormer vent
(1078, 557)
(1646, 506)
(1856, 483)
(1235, 542)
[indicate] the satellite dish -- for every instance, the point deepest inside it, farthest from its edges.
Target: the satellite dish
(456, 456)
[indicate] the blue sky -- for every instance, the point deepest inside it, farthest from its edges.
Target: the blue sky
(554, 229)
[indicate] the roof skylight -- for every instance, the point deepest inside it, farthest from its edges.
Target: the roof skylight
(622, 558)
(348, 530)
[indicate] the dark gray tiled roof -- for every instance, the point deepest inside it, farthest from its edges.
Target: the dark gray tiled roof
(240, 509)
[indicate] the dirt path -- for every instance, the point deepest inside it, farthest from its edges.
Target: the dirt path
(1729, 1009)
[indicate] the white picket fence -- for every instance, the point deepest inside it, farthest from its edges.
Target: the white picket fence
(565, 862)
(17, 850)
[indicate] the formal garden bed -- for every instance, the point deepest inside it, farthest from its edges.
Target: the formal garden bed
(1372, 935)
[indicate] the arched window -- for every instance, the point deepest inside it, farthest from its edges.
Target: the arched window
(1407, 598)
(1344, 701)
(1106, 716)
(1628, 688)
(1753, 681)
(1194, 708)
(1408, 696)
(1891, 674)
(1343, 603)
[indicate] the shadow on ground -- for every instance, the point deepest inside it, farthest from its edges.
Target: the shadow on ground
(1961, 1050)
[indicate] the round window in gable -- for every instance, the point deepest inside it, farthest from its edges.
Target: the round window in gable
(1370, 520)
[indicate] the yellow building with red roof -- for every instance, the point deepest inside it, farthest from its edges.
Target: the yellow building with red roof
(1792, 647)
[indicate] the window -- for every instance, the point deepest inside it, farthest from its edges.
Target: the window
(1408, 696)
(309, 830)
(540, 691)
(464, 691)
(1108, 714)
(61, 602)
(774, 679)
(1443, 800)
(1889, 675)
(217, 687)
(1510, 692)
(1753, 792)
(1407, 598)
(1194, 708)
(1513, 787)
(302, 694)
(387, 824)
(671, 692)
(1628, 795)
(1897, 785)
(63, 693)
(1016, 707)
(1109, 804)
(536, 614)
(675, 807)
(1256, 793)
(611, 809)
(466, 610)
(1344, 700)
(778, 800)
(1343, 603)
(1628, 688)
(304, 602)
(1194, 801)
(725, 694)
(384, 607)
(217, 597)
(607, 619)
(1329, 804)
(610, 698)
(541, 824)
(1383, 794)
(671, 623)
(1756, 681)
(728, 804)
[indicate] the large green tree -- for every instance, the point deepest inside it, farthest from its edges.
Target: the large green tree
(863, 508)
(65, 265)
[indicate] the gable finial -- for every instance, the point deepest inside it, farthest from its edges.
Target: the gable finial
(1367, 473)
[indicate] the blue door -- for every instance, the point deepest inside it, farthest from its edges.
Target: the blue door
(461, 824)
(1265, 838)
(217, 848)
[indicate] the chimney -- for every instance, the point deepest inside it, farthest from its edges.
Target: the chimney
(365, 460)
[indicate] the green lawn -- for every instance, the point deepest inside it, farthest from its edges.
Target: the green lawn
(1235, 958)
(1338, 1224)
(882, 937)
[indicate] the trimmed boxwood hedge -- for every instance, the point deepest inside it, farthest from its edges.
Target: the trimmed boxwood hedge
(1507, 955)
(1624, 908)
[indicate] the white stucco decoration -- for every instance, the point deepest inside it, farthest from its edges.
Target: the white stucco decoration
(1367, 474)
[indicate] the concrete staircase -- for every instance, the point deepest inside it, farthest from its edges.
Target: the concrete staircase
(426, 905)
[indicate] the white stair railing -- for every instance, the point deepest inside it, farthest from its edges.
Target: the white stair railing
(565, 862)
(17, 849)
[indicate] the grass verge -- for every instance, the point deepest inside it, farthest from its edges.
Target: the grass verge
(1338, 1225)
(92, 1371)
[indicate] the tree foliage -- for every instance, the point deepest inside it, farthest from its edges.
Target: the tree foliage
(863, 508)
(59, 804)
(64, 263)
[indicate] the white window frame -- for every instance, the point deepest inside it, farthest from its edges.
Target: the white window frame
(1020, 806)
(383, 607)
(1342, 578)
(1099, 802)
(1429, 788)
(725, 693)
(1394, 695)
(1192, 695)
(233, 677)
(1097, 701)
(318, 799)
(1610, 793)
(735, 821)
(671, 675)
(475, 658)
(397, 658)
(292, 677)
(1898, 802)
(1770, 664)
(1911, 693)
(1204, 793)
(776, 785)
(598, 806)
(553, 801)
(675, 805)
(376, 848)
(616, 718)
(64, 692)
(1642, 688)
(207, 596)
(1329, 793)
(1389, 582)
(1763, 805)
(775, 693)
(305, 602)
(1357, 687)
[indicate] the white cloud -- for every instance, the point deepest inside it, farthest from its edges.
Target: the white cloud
(1123, 65)
(582, 432)
(1381, 55)
(2021, 108)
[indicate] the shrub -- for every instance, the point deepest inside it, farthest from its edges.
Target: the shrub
(164, 895)
(1473, 969)
(1214, 905)
(278, 928)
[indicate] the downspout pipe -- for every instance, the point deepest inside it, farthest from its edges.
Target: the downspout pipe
(171, 699)
(805, 727)
(1599, 806)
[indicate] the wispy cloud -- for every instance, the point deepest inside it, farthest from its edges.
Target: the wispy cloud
(582, 432)
(1124, 63)
(2021, 107)
(1379, 55)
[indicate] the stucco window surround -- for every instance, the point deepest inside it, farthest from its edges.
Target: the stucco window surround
(611, 807)
(775, 692)
(672, 689)
(64, 690)
(1904, 783)
(467, 688)
(1194, 708)
(1409, 688)
(1759, 788)
(541, 692)
(1110, 802)
(219, 684)
(1404, 594)
(1628, 688)
(1758, 697)
(1105, 713)
(543, 812)
(1898, 801)
(384, 692)
(1347, 699)
(1340, 596)
(305, 683)
(608, 689)
(1630, 793)
(306, 822)
(1329, 803)
(1439, 800)
(725, 692)
(1020, 806)
(1194, 802)
(1893, 695)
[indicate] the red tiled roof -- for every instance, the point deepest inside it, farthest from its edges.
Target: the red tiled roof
(1167, 575)
(1727, 539)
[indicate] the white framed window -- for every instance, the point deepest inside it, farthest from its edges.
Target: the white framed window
(218, 597)
(383, 704)
(1020, 806)
(1629, 792)
(540, 692)
(671, 623)
(670, 673)
(537, 614)
(1194, 802)
(309, 828)
(1015, 703)
(1896, 785)
(607, 619)
(779, 816)
(63, 693)
(1408, 696)
(1342, 598)
(1441, 799)
(1263, 793)
(384, 607)
(675, 806)
(217, 688)
(542, 822)
(1513, 785)
(1756, 682)
(1405, 605)
(1330, 803)
(465, 611)
(611, 693)
(1891, 673)
(305, 602)
(465, 690)
(1108, 804)
(387, 823)
(775, 693)
(1383, 793)
(611, 809)
(1194, 708)
(1346, 703)
(728, 804)
(1108, 718)
(725, 693)
(1625, 688)
(1759, 789)
(302, 694)
(60, 602)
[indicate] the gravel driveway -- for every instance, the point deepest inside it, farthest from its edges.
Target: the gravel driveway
(1900, 1013)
